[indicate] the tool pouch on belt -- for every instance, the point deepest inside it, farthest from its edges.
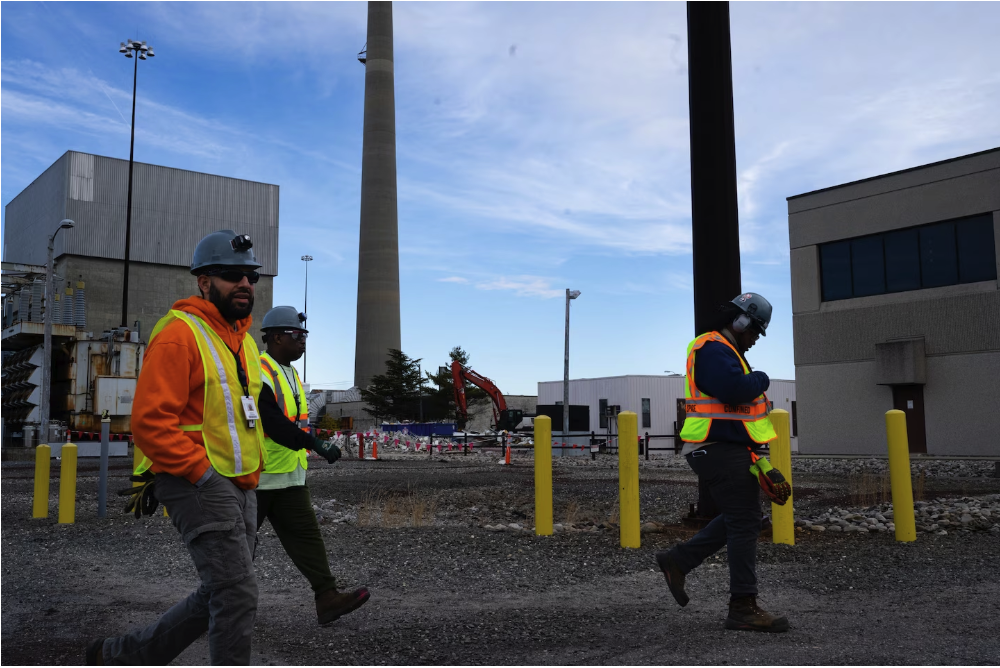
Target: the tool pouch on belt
(143, 501)
(771, 481)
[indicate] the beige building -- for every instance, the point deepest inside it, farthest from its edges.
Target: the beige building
(895, 305)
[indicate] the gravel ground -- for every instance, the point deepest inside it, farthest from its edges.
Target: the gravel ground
(453, 582)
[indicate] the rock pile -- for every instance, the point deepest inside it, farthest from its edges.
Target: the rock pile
(963, 515)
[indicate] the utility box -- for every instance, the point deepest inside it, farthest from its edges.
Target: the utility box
(114, 395)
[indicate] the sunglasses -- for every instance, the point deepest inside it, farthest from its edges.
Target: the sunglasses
(234, 275)
(296, 334)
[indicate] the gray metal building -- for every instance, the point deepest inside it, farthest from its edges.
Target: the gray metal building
(895, 305)
(172, 209)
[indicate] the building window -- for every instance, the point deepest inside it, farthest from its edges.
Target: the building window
(795, 421)
(602, 409)
(946, 253)
(647, 420)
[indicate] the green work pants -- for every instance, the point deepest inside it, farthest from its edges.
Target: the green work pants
(291, 514)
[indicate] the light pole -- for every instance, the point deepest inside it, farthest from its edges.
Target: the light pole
(43, 395)
(570, 294)
(305, 309)
(142, 50)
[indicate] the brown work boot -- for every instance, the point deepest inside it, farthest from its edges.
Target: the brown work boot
(332, 604)
(746, 615)
(675, 577)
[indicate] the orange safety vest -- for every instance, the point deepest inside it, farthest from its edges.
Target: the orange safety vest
(700, 409)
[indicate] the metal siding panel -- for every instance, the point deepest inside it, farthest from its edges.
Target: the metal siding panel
(35, 213)
(172, 209)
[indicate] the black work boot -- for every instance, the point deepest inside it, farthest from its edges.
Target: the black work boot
(332, 604)
(746, 615)
(94, 656)
(674, 576)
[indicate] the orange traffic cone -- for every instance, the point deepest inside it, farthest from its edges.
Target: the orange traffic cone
(374, 448)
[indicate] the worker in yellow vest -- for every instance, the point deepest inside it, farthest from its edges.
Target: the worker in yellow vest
(283, 495)
(726, 422)
(195, 419)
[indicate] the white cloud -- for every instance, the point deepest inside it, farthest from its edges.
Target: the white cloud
(523, 286)
(453, 279)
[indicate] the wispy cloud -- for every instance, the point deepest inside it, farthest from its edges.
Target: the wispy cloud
(523, 286)
(453, 279)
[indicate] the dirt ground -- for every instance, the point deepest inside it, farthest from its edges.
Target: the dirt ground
(448, 590)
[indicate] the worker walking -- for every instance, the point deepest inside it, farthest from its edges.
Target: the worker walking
(195, 419)
(283, 495)
(726, 422)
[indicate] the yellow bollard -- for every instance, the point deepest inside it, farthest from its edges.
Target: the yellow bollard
(782, 517)
(67, 485)
(628, 478)
(899, 475)
(40, 504)
(543, 475)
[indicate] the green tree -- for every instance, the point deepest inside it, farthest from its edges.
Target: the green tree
(439, 403)
(395, 394)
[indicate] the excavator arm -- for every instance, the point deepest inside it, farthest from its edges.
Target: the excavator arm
(502, 417)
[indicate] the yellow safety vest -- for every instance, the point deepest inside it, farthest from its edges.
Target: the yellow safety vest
(700, 409)
(233, 447)
(279, 458)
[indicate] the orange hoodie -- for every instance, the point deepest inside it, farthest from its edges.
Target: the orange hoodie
(171, 392)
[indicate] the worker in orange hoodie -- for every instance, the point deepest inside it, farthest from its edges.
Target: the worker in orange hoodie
(195, 419)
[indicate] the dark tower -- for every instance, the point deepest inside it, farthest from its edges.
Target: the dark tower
(378, 257)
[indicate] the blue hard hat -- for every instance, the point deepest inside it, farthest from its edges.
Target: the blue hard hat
(757, 308)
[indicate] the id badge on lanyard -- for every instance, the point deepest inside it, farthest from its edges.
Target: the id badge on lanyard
(250, 411)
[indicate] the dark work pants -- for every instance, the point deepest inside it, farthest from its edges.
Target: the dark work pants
(725, 468)
(291, 514)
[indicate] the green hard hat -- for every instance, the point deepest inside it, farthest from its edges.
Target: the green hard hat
(284, 317)
(757, 309)
(224, 248)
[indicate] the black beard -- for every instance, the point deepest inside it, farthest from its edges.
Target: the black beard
(225, 306)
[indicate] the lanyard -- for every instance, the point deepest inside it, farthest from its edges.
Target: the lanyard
(240, 371)
(292, 384)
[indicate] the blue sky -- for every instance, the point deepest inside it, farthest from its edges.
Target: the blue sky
(540, 146)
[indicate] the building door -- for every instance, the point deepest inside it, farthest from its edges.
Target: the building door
(910, 400)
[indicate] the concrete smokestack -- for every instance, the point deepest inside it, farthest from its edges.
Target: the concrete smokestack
(378, 259)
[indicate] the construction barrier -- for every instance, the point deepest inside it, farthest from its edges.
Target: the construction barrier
(899, 476)
(67, 485)
(782, 517)
(543, 477)
(40, 503)
(72, 434)
(628, 478)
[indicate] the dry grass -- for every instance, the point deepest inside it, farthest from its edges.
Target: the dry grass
(869, 489)
(572, 512)
(613, 515)
(379, 508)
(918, 485)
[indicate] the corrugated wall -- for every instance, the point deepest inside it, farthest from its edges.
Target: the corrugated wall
(34, 214)
(172, 209)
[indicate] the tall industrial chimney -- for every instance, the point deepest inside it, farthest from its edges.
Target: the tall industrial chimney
(378, 258)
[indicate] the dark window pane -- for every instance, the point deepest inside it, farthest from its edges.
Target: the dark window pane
(602, 408)
(938, 259)
(867, 266)
(977, 256)
(646, 418)
(835, 264)
(902, 261)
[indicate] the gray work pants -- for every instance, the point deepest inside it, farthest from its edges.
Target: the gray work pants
(218, 523)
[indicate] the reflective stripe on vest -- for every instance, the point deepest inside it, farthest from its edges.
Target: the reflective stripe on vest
(233, 447)
(279, 458)
(700, 409)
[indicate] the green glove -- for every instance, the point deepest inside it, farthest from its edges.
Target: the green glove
(143, 501)
(327, 450)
